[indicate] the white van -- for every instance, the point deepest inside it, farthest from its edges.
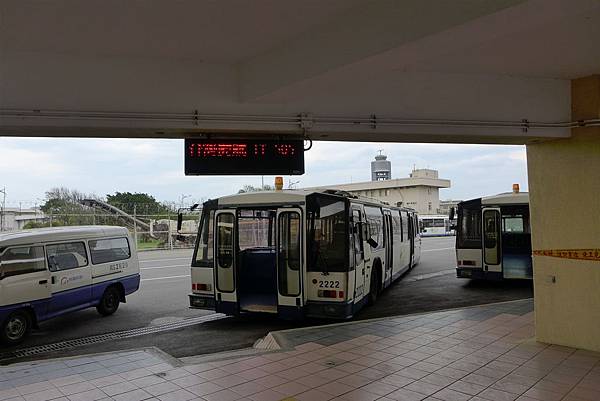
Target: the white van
(48, 272)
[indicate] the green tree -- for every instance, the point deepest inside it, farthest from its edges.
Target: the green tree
(64, 207)
(37, 224)
(141, 203)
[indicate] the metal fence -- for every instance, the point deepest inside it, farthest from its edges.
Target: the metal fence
(151, 229)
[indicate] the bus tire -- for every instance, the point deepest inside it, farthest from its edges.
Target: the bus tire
(16, 327)
(374, 287)
(109, 303)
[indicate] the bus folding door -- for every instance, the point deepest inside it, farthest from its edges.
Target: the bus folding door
(290, 261)
(492, 248)
(225, 275)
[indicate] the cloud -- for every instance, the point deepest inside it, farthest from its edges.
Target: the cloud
(520, 155)
(30, 166)
(36, 161)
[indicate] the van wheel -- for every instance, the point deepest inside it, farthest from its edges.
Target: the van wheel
(109, 303)
(15, 327)
(374, 286)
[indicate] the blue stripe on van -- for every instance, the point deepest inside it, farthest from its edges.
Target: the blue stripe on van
(130, 283)
(71, 300)
(39, 307)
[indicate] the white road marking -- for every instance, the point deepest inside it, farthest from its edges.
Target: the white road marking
(437, 249)
(163, 267)
(164, 278)
(162, 260)
(430, 275)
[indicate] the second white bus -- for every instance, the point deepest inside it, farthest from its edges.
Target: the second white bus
(493, 237)
(435, 226)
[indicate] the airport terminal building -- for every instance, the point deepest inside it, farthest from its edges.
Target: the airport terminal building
(420, 190)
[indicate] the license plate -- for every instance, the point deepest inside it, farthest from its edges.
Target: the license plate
(199, 302)
(204, 303)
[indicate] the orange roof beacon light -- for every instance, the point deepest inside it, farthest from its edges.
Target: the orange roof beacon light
(278, 183)
(516, 188)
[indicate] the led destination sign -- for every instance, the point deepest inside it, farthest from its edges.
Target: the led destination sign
(243, 157)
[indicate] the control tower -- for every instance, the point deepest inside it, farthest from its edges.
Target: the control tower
(381, 168)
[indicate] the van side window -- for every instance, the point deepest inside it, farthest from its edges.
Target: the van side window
(21, 260)
(66, 256)
(109, 250)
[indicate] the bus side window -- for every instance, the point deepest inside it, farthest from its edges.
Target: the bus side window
(400, 225)
(404, 222)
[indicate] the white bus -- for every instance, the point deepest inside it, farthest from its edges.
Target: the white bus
(493, 237)
(48, 272)
(435, 226)
(299, 253)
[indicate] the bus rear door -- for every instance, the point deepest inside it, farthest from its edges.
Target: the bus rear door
(225, 260)
(389, 247)
(411, 235)
(289, 262)
(417, 240)
(492, 249)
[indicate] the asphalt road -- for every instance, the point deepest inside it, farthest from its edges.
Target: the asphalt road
(165, 285)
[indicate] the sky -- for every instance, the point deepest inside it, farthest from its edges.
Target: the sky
(31, 166)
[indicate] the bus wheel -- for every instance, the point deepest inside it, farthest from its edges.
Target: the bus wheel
(374, 287)
(109, 303)
(15, 327)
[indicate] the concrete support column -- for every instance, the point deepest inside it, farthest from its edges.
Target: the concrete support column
(564, 184)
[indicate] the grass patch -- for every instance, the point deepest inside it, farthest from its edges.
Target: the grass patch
(150, 244)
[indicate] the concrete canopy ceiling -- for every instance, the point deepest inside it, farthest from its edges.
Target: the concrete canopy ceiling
(491, 60)
(212, 31)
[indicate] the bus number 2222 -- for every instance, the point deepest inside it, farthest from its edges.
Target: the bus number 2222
(329, 284)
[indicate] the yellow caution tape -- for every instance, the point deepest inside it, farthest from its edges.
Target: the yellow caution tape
(579, 254)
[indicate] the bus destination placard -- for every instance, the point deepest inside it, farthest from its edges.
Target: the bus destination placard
(243, 157)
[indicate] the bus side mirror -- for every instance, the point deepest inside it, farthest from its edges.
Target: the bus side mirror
(372, 242)
(452, 213)
(179, 221)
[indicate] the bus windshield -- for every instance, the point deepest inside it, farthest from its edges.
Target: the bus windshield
(327, 235)
(469, 225)
(204, 248)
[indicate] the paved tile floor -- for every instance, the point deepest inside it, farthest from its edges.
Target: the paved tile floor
(479, 354)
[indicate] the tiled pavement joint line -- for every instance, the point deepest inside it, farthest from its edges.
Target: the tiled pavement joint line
(225, 355)
(156, 352)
